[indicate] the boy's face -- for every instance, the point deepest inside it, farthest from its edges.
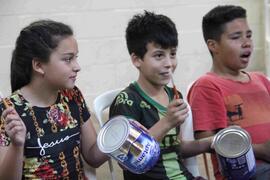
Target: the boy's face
(157, 64)
(235, 46)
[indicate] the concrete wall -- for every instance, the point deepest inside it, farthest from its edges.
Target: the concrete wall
(99, 27)
(267, 35)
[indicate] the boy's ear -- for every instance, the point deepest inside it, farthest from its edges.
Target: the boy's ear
(37, 66)
(212, 45)
(136, 61)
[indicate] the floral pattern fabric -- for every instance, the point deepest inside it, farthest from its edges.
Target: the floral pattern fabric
(52, 146)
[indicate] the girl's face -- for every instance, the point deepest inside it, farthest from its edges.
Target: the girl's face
(157, 65)
(61, 70)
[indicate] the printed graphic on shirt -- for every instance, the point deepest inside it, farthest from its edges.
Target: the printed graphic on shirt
(234, 106)
(122, 98)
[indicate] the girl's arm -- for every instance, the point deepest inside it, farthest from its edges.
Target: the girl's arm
(11, 157)
(11, 162)
(92, 155)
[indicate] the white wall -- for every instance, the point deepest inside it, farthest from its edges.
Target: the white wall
(99, 26)
(267, 35)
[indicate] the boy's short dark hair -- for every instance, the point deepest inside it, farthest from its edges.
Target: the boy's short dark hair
(214, 21)
(150, 27)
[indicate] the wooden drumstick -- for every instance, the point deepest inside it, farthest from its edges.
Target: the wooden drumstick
(5, 103)
(174, 89)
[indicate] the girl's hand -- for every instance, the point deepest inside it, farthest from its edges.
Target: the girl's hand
(14, 126)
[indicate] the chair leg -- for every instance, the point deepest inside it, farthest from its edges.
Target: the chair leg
(206, 165)
(111, 169)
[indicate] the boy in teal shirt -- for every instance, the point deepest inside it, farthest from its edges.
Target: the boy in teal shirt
(152, 43)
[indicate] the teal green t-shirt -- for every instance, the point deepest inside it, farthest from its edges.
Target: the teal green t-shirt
(134, 103)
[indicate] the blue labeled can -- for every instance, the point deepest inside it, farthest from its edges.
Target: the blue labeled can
(234, 153)
(128, 144)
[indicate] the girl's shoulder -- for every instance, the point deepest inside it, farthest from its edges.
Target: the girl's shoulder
(73, 94)
(12, 100)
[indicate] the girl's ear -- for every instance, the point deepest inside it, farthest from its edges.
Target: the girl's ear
(212, 45)
(37, 66)
(136, 61)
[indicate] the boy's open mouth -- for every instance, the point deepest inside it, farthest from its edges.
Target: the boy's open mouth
(245, 54)
(165, 73)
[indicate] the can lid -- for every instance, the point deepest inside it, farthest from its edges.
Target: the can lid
(113, 134)
(232, 142)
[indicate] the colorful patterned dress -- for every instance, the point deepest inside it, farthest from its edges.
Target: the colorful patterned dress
(52, 146)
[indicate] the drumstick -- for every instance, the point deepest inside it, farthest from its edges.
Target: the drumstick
(174, 89)
(5, 103)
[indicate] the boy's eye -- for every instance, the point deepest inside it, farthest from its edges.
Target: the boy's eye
(158, 55)
(173, 54)
(235, 37)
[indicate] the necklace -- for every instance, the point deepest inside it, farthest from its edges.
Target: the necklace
(57, 115)
(53, 115)
(40, 131)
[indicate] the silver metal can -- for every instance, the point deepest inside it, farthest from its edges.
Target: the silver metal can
(234, 153)
(127, 143)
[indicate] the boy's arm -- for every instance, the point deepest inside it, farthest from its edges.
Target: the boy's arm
(195, 147)
(202, 144)
(177, 112)
(261, 151)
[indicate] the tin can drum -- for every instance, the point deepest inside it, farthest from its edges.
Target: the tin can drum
(127, 143)
(234, 153)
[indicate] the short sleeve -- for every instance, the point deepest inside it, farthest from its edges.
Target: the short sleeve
(83, 108)
(77, 104)
(265, 80)
(207, 105)
(125, 104)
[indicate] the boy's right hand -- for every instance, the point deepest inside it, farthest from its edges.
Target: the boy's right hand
(261, 151)
(14, 126)
(177, 112)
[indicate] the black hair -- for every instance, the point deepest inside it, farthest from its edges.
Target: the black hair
(36, 41)
(214, 21)
(150, 27)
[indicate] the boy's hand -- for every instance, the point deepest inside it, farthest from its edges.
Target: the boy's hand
(177, 112)
(266, 150)
(14, 126)
(140, 126)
